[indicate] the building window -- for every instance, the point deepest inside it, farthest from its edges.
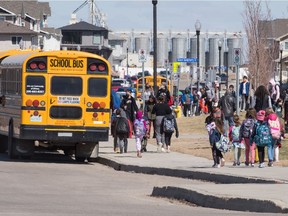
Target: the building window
(16, 40)
(286, 46)
(96, 39)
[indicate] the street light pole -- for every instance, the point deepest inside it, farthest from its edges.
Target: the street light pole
(127, 65)
(154, 2)
(281, 52)
(219, 48)
(198, 28)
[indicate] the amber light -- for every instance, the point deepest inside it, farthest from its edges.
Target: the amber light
(95, 115)
(35, 103)
(96, 105)
(29, 102)
(93, 67)
(101, 67)
(102, 105)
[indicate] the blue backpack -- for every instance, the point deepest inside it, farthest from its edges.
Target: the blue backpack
(263, 135)
(116, 100)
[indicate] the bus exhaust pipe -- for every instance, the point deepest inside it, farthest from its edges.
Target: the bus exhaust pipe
(42, 144)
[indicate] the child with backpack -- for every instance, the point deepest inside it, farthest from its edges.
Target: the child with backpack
(236, 139)
(275, 129)
(139, 131)
(120, 131)
(246, 132)
(168, 125)
(261, 135)
(215, 134)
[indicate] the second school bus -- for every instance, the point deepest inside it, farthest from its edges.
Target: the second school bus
(55, 99)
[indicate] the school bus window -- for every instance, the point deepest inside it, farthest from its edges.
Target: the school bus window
(66, 86)
(35, 85)
(11, 81)
(97, 87)
(65, 112)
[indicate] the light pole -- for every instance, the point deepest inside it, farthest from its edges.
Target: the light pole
(154, 2)
(281, 52)
(127, 65)
(198, 28)
(219, 48)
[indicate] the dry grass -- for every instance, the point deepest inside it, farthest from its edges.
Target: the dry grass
(193, 140)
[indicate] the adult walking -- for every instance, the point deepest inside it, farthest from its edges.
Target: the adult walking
(160, 110)
(129, 105)
(244, 92)
(228, 107)
(187, 100)
(262, 99)
(274, 90)
(210, 95)
(163, 92)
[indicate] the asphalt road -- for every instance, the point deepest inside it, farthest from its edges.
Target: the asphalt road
(52, 184)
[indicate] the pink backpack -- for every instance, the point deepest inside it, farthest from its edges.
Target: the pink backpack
(275, 127)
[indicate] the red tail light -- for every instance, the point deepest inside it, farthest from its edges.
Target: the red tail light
(101, 67)
(36, 113)
(33, 65)
(35, 103)
(93, 67)
(96, 105)
(42, 66)
(95, 115)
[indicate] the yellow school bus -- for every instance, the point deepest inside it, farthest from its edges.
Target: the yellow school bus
(55, 99)
(150, 80)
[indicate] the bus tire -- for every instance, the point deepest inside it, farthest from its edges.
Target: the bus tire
(95, 153)
(11, 145)
(3, 143)
(83, 150)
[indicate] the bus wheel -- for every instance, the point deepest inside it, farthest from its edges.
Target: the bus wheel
(83, 150)
(11, 145)
(3, 143)
(95, 153)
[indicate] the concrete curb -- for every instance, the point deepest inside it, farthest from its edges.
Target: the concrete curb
(195, 175)
(210, 201)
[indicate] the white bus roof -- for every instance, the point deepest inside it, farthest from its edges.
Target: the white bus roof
(15, 59)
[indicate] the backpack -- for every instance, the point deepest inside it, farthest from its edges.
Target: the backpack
(168, 125)
(223, 144)
(275, 128)
(139, 127)
(187, 99)
(235, 134)
(263, 135)
(247, 127)
(122, 126)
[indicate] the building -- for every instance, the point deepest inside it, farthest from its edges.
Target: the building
(87, 37)
(24, 24)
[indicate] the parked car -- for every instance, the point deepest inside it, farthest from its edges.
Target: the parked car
(163, 73)
(122, 82)
(146, 73)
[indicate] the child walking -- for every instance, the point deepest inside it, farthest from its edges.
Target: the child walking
(246, 132)
(139, 131)
(261, 135)
(214, 136)
(236, 139)
(168, 125)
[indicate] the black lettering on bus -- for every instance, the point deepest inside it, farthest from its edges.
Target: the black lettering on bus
(78, 63)
(60, 63)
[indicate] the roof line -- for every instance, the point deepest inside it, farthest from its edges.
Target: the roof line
(7, 11)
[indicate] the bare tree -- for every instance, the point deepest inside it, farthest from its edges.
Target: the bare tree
(261, 50)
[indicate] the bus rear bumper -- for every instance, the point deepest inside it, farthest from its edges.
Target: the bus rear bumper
(73, 134)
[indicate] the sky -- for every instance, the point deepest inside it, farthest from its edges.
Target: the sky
(176, 15)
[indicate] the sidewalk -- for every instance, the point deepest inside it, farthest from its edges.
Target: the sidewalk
(260, 190)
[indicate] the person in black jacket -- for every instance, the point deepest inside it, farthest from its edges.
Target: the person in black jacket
(228, 107)
(129, 105)
(160, 109)
(164, 92)
(168, 129)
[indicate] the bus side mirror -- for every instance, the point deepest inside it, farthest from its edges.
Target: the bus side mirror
(2, 100)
